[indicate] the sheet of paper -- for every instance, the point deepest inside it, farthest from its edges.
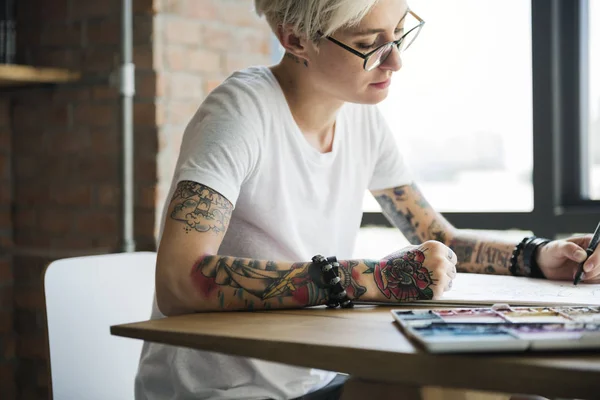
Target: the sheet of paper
(479, 289)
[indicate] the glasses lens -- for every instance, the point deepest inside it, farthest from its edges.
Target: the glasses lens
(379, 56)
(409, 39)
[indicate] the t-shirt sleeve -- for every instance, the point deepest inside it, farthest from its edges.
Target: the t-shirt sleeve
(219, 152)
(390, 168)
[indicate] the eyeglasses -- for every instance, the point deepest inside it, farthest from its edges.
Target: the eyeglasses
(374, 58)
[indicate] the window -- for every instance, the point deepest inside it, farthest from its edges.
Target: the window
(461, 106)
(515, 76)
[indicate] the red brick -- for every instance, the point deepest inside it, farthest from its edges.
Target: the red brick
(4, 113)
(145, 170)
(143, 57)
(108, 195)
(239, 13)
(6, 298)
(6, 317)
(8, 387)
(6, 274)
(236, 62)
(204, 61)
(181, 31)
(59, 57)
(187, 86)
(6, 241)
(82, 9)
(176, 57)
(146, 142)
(5, 193)
(104, 93)
(96, 114)
(146, 197)
(55, 10)
(4, 167)
(26, 167)
(54, 222)
(99, 60)
(211, 84)
(218, 37)
(143, 26)
(72, 242)
(97, 223)
(64, 94)
(102, 32)
(104, 142)
(30, 298)
(96, 168)
(143, 6)
(144, 222)
(77, 195)
(8, 349)
(5, 218)
(144, 114)
(32, 346)
(254, 41)
(180, 111)
(146, 85)
(169, 6)
(68, 142)
(200, 9)
(5, 139)
(67, 35)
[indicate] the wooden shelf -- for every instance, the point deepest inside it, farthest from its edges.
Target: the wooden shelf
(18, 75)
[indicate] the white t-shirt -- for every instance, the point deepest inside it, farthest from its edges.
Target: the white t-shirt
(291, 202)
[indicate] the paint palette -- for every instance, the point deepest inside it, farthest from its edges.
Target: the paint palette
(502, 328)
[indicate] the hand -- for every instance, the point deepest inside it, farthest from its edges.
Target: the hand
(416, 272)
(560, 259)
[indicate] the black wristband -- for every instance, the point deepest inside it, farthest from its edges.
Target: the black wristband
(337, 295)
(515, 256)
(529, 256)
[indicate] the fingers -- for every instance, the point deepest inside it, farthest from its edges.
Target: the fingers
(572, 251)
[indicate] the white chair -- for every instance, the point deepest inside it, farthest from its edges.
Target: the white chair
(84, 297)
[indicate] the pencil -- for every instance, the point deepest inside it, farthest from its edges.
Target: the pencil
(590, 250)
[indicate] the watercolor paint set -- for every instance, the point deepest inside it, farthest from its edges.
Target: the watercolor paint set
(502, 328)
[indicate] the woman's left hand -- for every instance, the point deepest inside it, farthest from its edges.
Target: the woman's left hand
(560, 259)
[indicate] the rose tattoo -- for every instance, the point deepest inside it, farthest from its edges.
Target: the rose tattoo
(404, 277)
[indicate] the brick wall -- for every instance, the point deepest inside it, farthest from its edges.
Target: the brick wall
(64, 142)
(197, 44)
(7, 334)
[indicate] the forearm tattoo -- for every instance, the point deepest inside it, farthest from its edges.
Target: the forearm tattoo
(480, 255)
(238, 283)
(200, 208)
(399, 214)
(265, 281)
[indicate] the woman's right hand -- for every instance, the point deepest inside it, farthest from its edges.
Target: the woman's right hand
(421, 272)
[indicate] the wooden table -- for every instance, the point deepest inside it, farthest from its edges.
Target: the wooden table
(366, 343)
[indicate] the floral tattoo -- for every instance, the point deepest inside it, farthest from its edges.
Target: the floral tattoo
(405, 278)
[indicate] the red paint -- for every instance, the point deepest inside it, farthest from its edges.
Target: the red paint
(204, 284)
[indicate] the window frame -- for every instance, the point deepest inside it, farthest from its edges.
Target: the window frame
(560, 130)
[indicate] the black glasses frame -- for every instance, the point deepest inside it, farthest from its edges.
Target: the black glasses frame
(366, 56)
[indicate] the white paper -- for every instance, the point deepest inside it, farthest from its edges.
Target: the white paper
(479, 289)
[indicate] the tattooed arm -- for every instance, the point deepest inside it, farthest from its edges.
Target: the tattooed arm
(408, 210)
(192, 277)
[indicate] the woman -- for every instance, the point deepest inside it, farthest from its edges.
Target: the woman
(271, 173)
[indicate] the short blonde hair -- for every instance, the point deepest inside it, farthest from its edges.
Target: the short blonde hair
(309, 17)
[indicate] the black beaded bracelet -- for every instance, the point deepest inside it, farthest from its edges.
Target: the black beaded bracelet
(515, 256)
(329, 268)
